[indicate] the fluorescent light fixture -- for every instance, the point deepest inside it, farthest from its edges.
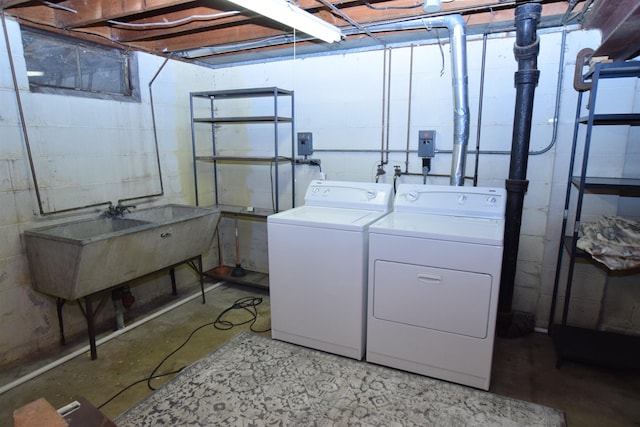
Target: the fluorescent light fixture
(35, 73)
(292, 16)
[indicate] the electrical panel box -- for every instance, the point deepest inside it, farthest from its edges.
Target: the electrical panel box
(305, 143)
(427, 143)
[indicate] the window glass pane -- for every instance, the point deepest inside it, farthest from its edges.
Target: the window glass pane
(59, 62)
(103, 71)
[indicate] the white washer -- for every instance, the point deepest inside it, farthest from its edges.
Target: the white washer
(318, 266)
(434, 277)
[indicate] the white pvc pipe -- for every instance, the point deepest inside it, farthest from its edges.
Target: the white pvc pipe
(102, 340)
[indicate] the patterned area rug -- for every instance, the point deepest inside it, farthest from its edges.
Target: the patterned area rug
(256, 381)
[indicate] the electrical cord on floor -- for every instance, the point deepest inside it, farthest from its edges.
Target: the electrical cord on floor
(248, 304)
(136, 383)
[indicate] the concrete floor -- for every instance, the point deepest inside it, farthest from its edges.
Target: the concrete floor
(524, 368)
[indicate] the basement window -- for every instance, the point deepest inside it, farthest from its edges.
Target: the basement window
(62, 65)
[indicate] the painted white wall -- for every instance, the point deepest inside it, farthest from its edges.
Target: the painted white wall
(339, 98)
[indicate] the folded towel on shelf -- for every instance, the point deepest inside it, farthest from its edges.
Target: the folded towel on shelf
(612, 240)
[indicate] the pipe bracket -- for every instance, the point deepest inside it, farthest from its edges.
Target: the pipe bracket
(526, 77)
(516, 185)
(528, 51)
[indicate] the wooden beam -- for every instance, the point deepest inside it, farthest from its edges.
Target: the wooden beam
(91, 12)
(4, 4)
(214, 37)
(619, 23)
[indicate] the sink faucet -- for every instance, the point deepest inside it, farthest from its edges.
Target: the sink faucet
(118, 211)
(121, 209)
(111, 211)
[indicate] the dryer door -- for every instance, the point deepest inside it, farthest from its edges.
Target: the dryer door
(446, 300)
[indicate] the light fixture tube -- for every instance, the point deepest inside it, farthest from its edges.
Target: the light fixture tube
(292, 16)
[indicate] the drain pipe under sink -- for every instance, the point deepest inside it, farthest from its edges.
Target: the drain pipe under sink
(101, 341)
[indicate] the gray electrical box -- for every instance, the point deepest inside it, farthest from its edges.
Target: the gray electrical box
(426, 143)
(305, 143)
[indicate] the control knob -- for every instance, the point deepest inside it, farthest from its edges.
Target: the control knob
(412, 196)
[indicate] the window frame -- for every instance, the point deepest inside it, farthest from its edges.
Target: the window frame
(130, 77)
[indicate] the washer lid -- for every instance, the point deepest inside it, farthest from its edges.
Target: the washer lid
(441, 227)
(327, 217)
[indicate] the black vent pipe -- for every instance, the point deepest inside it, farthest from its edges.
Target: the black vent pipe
(526, 48)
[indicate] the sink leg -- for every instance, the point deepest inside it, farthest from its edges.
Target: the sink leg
(91, 328)
(201, 275)
(59, 304)
(172, 272)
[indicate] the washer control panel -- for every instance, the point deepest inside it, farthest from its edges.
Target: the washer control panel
(353, 195)
(477, 202)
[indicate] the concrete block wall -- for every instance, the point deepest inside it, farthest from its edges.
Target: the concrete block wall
(85, 151)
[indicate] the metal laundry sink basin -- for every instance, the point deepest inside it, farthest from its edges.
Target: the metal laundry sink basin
(91, 229)
(79, 258)
(164, 213)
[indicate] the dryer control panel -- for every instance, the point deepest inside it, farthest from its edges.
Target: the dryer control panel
(351, 195)
(475, 202)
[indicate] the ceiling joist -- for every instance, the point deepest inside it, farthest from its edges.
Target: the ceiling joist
(167, 26)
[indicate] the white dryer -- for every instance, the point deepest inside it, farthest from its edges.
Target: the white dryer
(434, 276)
(318, 255)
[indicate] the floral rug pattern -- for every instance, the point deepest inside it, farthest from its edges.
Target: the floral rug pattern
(256, 381)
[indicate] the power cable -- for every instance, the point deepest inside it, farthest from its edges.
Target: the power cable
(136, 383)
(248, 304)
(413, 6)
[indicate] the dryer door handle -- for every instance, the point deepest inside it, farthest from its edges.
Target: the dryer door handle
(432, 279)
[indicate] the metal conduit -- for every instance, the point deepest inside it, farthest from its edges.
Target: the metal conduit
(388, 112)
(25, 132)
(21, 112)
(28, 144)
(406, 159)
(384, 100)
(548, 147)
(418, 23)
(457, 36)
(155, 135)
(480, 99)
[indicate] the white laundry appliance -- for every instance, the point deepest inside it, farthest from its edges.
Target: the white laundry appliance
(318, 265)
(434, 277)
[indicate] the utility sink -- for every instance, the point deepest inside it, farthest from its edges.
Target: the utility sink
(75, 259)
